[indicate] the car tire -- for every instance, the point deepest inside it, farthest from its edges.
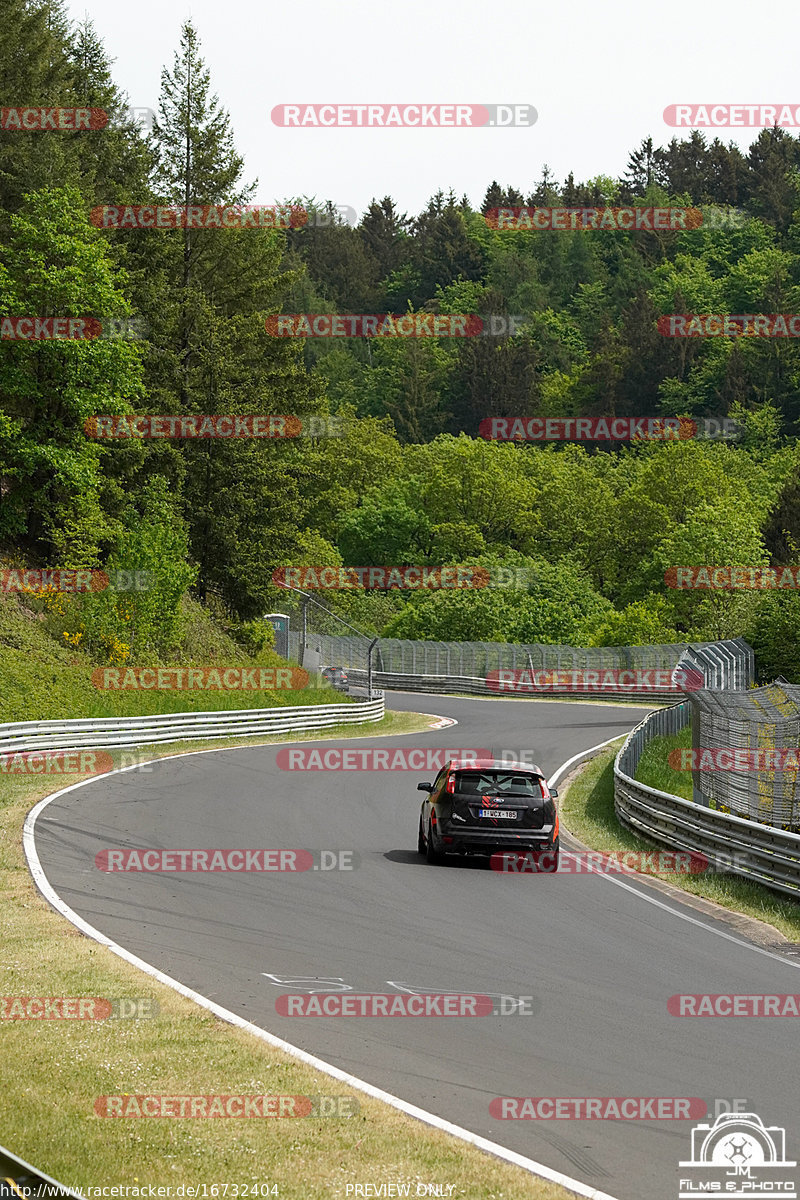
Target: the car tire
(432, 855)
(421, 839)
(547, 863)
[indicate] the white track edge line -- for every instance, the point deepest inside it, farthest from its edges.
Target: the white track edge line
(362, 737)
(37, 871)
(642, 894)
(583, 754)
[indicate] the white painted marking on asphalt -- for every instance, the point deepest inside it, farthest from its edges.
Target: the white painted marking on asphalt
(729, 937)
(441, 722)
(554, 778)
(642, 894)
(411, 1110)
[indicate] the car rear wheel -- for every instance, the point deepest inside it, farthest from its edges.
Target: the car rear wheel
(431, 853)
(548, 861)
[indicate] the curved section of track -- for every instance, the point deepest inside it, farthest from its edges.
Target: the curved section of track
(600, 957)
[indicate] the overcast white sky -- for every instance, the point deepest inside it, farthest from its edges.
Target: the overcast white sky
(599, 75)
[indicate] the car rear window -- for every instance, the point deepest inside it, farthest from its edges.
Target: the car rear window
(476, 783)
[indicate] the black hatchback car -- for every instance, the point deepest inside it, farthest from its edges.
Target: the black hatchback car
(337, 677)
(489, 806)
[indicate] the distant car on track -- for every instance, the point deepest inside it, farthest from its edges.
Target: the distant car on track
(489, 806)
(337, 677)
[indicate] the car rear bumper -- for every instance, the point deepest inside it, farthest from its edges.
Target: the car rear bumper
(490, 841)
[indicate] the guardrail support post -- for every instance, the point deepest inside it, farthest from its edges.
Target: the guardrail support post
(304, 605)
(372, 646)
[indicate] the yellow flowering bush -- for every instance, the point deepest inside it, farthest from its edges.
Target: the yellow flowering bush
(118, 651)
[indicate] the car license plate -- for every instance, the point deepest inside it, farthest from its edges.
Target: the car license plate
(509, 814)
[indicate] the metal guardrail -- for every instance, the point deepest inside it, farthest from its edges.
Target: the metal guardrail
(761, 853)
(28, 1181)
(22, 736)
(478, 687)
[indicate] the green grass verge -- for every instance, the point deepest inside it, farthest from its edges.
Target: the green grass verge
(53, 1071)
(655, 771)
(587, 809)
(41, 680)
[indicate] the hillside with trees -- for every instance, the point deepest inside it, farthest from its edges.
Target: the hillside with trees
(590, 528)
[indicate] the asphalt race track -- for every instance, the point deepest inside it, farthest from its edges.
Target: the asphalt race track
(600, 957)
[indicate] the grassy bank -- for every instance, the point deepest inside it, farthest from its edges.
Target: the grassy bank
(655, 771)
(42, 680)
(587, 809)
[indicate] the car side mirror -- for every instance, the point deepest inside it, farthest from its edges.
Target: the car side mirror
(553, 794)
(424, 787)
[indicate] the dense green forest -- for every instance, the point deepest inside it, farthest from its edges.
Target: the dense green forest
(409, 480)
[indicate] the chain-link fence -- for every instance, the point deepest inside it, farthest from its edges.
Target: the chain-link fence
(316, 640)
(727, 712)
(752, 849)
(315, 637)
(763, 722)
(724, 664)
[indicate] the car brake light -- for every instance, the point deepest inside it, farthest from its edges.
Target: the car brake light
(450, 789)
(555, 831)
